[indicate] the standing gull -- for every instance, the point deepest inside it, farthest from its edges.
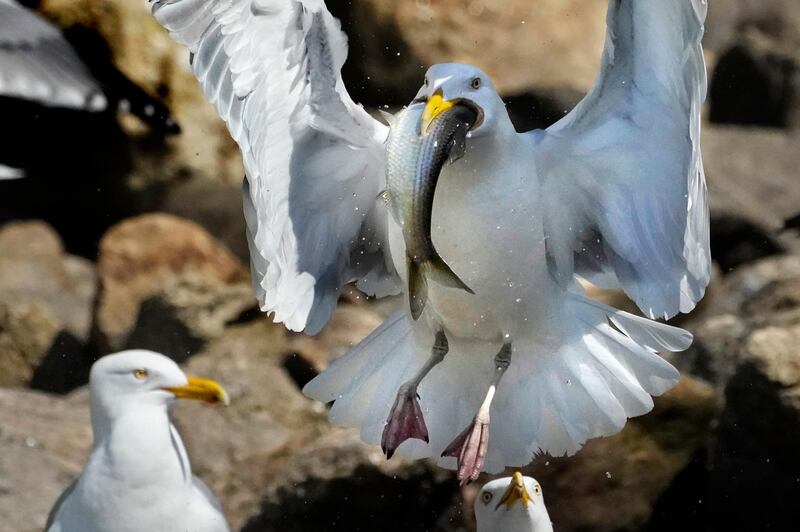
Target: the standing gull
(138, 476)
(503, 356)
(512, 504)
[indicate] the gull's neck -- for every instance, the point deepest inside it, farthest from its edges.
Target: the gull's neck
(139, 444)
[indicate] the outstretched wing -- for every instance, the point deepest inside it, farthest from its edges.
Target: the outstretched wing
(314, 159)
(623, 189)
(38, 64)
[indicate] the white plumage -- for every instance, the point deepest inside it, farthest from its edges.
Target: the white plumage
(614, 193)
(38, 64)
(138, 475)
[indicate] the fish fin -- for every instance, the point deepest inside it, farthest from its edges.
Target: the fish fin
(458, 148)
(384, 196)
(417, 288)
(438, 270)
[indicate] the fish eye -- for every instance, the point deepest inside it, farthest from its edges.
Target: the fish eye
(140, 374)
(476, 83)
(486, 497)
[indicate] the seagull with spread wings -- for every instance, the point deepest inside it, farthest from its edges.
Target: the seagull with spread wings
(613, 193)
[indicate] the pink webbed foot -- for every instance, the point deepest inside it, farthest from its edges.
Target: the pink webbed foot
(470, 448)
(405, 421)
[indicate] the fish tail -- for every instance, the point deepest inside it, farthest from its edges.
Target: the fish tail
(417, 287)
(438, 270)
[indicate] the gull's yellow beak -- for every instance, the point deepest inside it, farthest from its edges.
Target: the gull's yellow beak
(201, 390)
(516, 492)
(436, 105)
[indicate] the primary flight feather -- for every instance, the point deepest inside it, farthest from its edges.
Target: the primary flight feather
(522, 362)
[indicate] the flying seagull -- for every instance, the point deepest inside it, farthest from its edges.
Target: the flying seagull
(41, 65)
(37, 63)
(497, 325)
(512, 504)
(138, 476)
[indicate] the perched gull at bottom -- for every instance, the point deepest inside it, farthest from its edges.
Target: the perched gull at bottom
(512, 504)
(138, 475)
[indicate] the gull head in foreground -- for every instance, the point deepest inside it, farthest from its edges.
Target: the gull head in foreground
(138, 476)
(499, 354)
(512, 504)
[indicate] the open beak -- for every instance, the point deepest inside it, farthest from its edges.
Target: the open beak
(201, 390)
(516, 492)
(435, 106)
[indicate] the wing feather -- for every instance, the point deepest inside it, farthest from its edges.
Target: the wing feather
(623, 173)
(314, 159)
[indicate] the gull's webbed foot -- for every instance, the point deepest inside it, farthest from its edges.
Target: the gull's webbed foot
(470, 448)
(405, 421)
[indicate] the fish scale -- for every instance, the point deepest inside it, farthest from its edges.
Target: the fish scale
(414, 162)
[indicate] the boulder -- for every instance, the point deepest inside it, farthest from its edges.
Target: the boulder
(751, 173)
(630, 471)
(165, 279)
(348, 486)
(213, 205)
(747, 348)
(144, 52)
(46, 299)
(34, 267)
(756, 82)
(759, 434)
(43, 443)
(549, 44)
(728, 19)
(27, 331)
(754, 294)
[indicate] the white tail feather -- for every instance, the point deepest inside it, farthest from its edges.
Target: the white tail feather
(557, 393)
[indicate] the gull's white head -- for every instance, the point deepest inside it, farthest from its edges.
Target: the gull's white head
(448, 84)
(512, 504)
(133, 378)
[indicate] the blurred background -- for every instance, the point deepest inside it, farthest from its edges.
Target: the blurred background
(127, 231)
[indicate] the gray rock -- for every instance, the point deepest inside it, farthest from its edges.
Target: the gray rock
(747, 346)
(190, 276)
(43, 443)
(759, 434)
(614, 483)
(46, 300)
(34, 268)
(337, 484)
(728, 19)
(756, 82)
(214, 206)
(752, 173)
(27, 331)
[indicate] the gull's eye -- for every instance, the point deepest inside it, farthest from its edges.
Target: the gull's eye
(537, 490)
(486, 497)
(426, 81)
(140, 374)
(475, 83)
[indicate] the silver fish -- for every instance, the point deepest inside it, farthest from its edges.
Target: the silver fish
(414, 162)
